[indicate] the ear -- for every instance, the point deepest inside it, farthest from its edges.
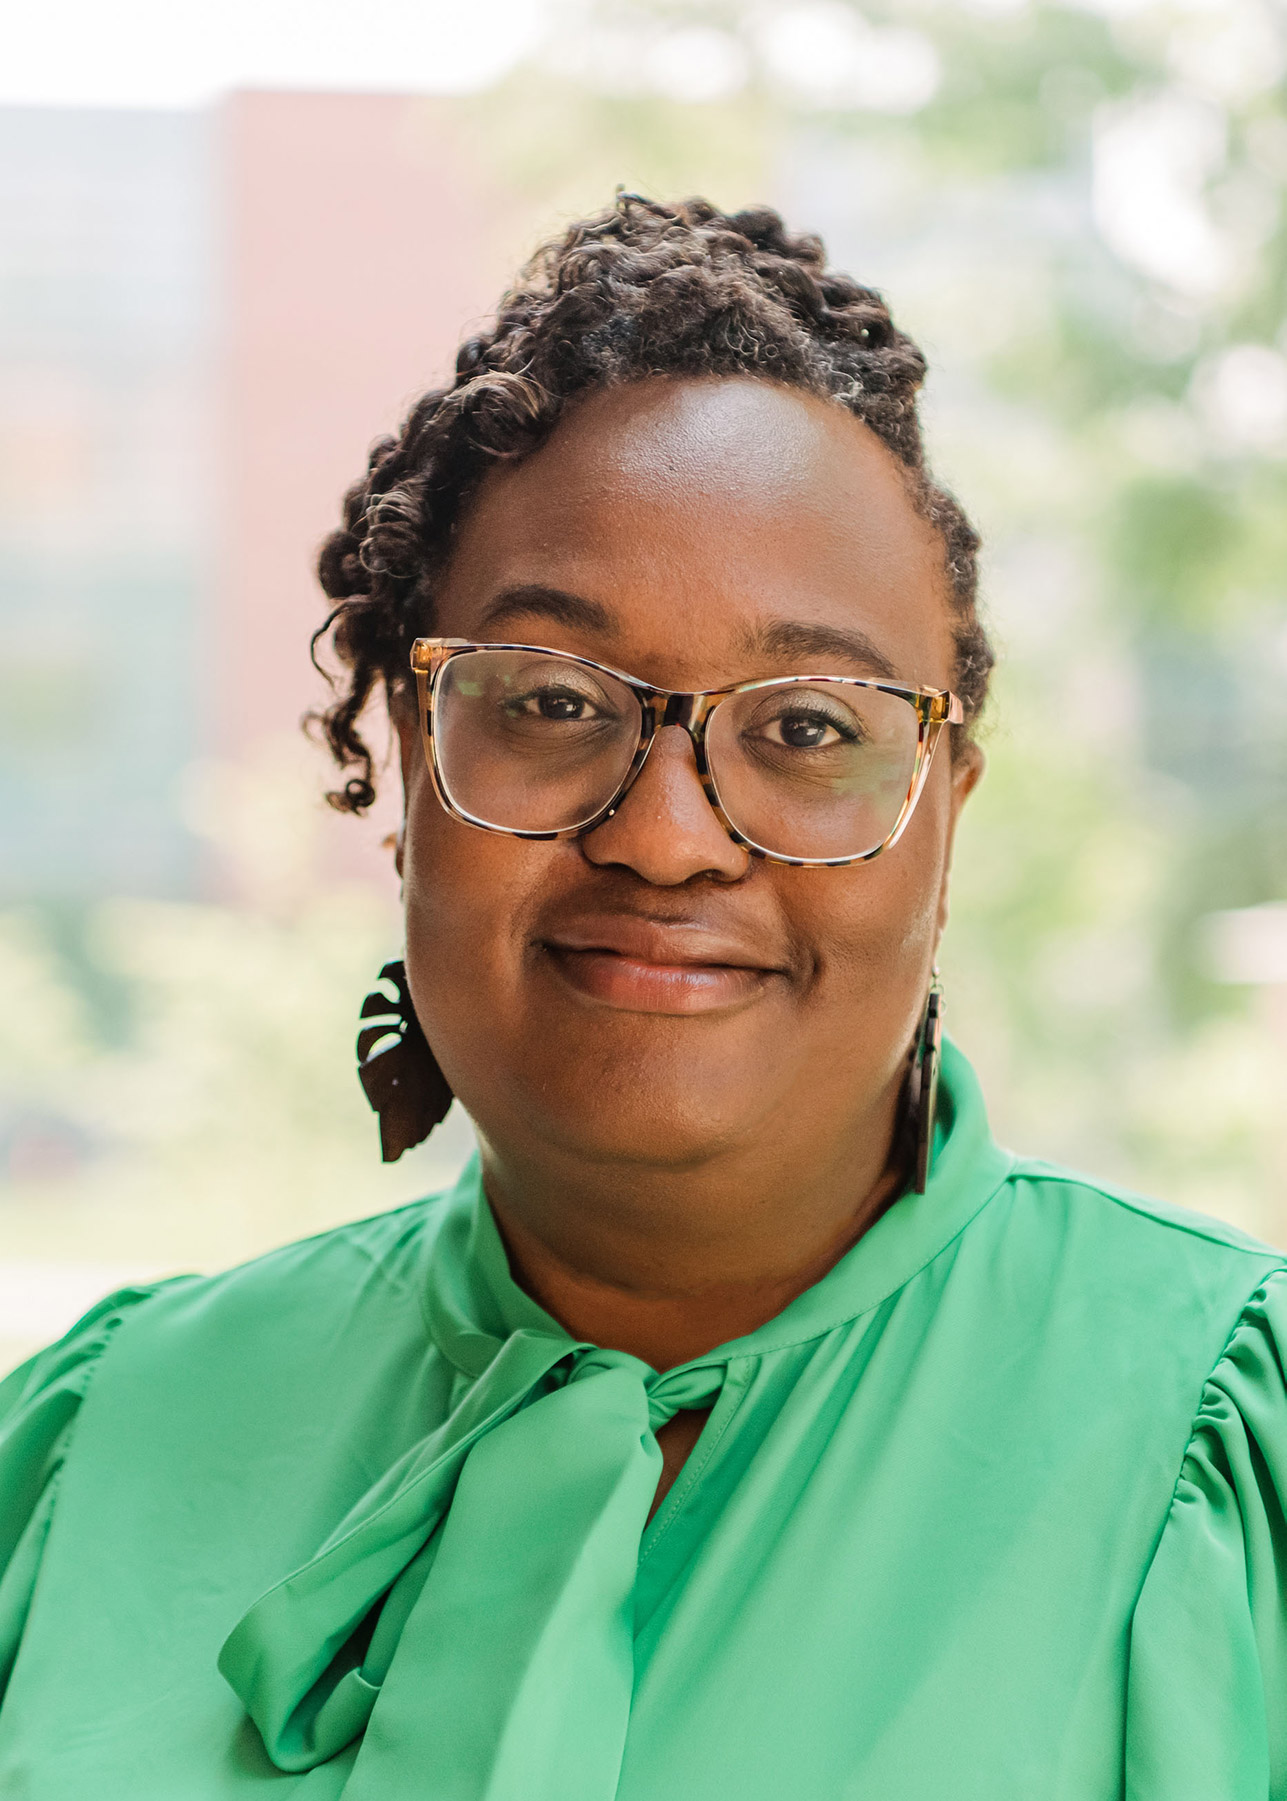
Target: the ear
(968, 765)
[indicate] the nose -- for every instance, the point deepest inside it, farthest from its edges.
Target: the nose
(665, 829)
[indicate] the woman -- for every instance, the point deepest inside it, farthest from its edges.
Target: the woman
(737, 1427)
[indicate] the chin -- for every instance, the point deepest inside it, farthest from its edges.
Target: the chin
(662, 1113)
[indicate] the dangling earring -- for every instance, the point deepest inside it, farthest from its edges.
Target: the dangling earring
(402, 1080)
(922, 1085)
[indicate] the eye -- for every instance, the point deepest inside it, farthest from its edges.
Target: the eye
(811, 724)
(558, 703)
(807, 731)
(555, 703)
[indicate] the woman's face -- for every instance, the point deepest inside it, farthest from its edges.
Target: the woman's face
(650, 993)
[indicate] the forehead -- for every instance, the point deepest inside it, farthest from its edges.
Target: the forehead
(697, 513)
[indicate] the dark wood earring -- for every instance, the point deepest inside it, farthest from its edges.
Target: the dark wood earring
(922, 1085)
(401, 1077)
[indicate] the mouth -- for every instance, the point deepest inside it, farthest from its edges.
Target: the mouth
(653, 966)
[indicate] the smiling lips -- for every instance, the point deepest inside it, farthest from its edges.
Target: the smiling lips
(651, 966)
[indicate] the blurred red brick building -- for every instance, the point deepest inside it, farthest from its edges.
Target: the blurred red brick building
(355, 246)
(219, 314)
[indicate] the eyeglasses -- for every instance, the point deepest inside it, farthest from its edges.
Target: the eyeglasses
(801, 769)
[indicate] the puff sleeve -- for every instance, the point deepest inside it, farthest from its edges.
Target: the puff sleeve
(1207, 1687)
(39, 1404)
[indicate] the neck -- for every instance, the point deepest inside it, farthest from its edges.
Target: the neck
(667, 1263)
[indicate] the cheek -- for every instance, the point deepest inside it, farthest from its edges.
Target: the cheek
(874, 928)
(465, 892)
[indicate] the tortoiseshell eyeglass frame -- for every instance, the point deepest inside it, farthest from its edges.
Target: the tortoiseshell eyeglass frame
(934, 708)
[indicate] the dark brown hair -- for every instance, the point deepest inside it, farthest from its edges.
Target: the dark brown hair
(640, 289)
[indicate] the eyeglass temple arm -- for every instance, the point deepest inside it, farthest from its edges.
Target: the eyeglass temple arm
(943, 709)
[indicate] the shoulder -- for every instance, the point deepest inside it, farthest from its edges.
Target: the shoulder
(302, 1306)
(1158, 1282)
(1159, 1226)
(302, 1301)
(40, 1399)
(328, 1325)
(387, 1249)
(1065, 1244)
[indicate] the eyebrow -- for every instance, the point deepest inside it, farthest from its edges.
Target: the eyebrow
(771, 639)
(801, 638)
(533, 600)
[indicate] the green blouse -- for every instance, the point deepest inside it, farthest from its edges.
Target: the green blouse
(994, 1512)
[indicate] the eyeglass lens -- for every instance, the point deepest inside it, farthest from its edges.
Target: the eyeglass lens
(532, 742)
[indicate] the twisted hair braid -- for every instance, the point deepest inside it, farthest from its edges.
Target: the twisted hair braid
(640, 289)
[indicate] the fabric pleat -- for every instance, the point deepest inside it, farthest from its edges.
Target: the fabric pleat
(39, 1404)
(1207, 1691)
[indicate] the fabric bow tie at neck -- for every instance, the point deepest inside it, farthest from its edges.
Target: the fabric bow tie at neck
(500, 1666)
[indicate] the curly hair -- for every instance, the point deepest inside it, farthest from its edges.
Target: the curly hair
(641, 289)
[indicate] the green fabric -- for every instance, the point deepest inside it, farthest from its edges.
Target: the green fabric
(993, 1511)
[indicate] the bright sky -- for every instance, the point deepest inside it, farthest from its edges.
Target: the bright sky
(169, 53)
(174, 53)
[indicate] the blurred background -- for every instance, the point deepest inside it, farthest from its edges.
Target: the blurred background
(236, 241)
